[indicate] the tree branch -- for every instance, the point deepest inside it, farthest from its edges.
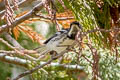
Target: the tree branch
(12, 40)
(16, 44)
(20, 4)
(13, 60)
(7, 52)
(59, 19)
(101, 30)
(40, 66)
(6, 43)
(19, 20)
(64, 65)
(32, 70)
(24, 63)
(10, 46)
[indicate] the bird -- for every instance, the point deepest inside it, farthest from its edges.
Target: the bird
(61, 39)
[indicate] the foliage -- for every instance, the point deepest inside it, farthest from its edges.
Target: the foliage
(5, 70)
(94, 14)
(108, 67)
(98, 52)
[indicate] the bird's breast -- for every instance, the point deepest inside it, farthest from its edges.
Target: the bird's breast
(60, 45)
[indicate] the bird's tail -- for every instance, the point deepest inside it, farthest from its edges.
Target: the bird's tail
(41, 49)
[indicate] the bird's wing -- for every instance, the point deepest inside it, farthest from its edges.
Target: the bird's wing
(41, 49)
(55, 35)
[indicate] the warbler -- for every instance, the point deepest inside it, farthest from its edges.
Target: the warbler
(61, 39)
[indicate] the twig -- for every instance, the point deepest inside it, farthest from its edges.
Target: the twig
(8, 16)
(13, 60)
(21, 49)
(95, 65)
(15, 4)
(63, 5)
(40, 66)
(24, 63)
(102, 30)
(6, 43)
(64, 65)
(16, 44)
(14, 52)
(22, 18)
(36, 68)
(7, 52)
(32, 70)
(12, 40)
(87, 59)
(20, 4)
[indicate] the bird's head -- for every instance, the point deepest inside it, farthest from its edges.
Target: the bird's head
(74, 28)
(76, 24)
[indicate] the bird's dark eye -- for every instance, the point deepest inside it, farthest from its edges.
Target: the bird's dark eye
(72, 36)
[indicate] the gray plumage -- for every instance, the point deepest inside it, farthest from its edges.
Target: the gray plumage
(61, 39)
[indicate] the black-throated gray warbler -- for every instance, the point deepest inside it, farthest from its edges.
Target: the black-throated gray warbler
(61, 39)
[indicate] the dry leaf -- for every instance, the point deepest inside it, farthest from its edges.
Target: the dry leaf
(65, 23)
(21, 14)
(16, 32)
(35, 37)
(32, 34)
(1, 0)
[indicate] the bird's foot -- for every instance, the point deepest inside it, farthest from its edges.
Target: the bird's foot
(53, 54)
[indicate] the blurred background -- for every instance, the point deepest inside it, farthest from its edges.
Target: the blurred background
(31, 33)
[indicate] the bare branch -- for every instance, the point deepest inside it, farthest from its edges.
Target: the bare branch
(32, 70)
(21, 49)
(12, 40)
(15, 4)
(13, 60)
(8, 16)
(64, 65)
(101, 30)
(95, 64)
(6, 43)
(20, 4)
(10, 46)
(16, 60)
(87, 59)
(22, 18)
(24, 63)
(7, 52)
(61, 1)
(40, 66)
